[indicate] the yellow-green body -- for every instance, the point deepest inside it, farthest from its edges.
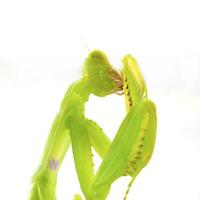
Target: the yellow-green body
(131, 148)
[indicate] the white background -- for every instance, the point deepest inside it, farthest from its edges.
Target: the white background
(42, 46)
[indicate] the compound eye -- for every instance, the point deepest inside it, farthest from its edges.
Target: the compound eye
(97, 56)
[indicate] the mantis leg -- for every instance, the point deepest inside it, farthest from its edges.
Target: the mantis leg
(83, 136)
(129, 151)
(81, 147)
(98, 138)
(141, 155)
(44, 180)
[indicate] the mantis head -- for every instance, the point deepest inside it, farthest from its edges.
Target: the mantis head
(134, 85)
(101, 77)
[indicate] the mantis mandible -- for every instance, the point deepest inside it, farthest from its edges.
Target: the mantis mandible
(131, 148)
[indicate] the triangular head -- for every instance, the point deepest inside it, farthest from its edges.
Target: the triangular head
(101, 77)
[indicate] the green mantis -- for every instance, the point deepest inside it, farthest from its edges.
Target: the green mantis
(131, 148)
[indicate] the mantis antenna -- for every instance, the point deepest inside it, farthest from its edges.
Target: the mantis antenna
(85, 44)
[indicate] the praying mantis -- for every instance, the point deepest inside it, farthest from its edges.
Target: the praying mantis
(131, 148)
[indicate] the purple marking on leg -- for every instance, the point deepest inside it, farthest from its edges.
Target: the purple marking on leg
(54, 164)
